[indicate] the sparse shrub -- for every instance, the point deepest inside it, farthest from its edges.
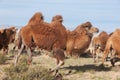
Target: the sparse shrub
(3, 58)
(27, 72)
(32, 73)
(39, 73)
(11, 53)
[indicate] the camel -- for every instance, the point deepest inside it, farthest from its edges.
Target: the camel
(79, 39)
(112, 45)
(98, 44)
(43, 35)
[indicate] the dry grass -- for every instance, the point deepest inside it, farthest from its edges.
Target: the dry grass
(73, 69)
(26, 72)
(81, 68)
(3, 58)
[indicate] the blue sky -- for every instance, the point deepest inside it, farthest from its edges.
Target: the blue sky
(104, 14)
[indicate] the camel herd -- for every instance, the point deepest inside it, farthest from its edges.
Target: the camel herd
(63, 43)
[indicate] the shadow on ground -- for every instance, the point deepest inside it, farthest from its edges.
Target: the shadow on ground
(90, 67)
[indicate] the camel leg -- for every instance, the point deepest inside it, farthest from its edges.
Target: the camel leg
(105, 54)
(29, 55)
(98, 54)
(97, 57)
(57, 61)
(112, 58)
(13, 50)
(112, 61)
(116, 59)
(58, 65)
(18, 55)
(94, 55)
(68, 53)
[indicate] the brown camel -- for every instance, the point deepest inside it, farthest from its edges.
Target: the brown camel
(79, 39)
(7, 36)
(99, 43)
(112, 45)
(48, 36)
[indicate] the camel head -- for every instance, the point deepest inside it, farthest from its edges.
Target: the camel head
(87, 25)
(93, 30)
(13, 28)
(58, 18)
(36, 18)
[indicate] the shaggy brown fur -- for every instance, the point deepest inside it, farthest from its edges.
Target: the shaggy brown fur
(57, 25)
(62, 37)
(7, 36)
(113, 45)
(1, 38)
(45, 36)
(78, 42)
(60, 56)
(36, 18)
(86, 25)
(99, 44)
(42, 35)
(58, 18)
